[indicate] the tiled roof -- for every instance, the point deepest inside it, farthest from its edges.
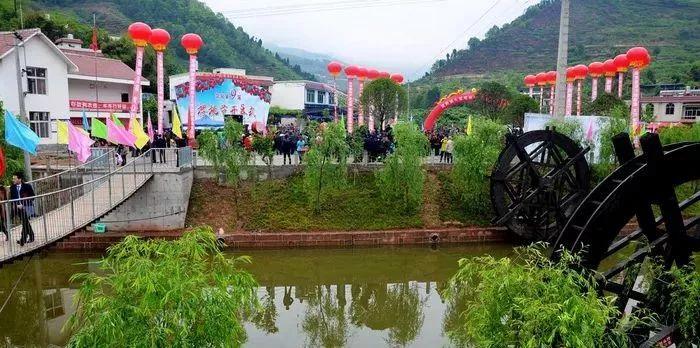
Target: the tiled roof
(672, 99)
(7, 39)
(106, 67)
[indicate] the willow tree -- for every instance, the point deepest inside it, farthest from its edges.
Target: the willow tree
(326, 163)
(383, 99)
(401, 180)
(157, 293)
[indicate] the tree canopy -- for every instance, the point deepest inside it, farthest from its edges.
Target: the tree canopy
(382, 99)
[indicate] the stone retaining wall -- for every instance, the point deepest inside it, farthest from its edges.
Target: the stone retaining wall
(93, 241)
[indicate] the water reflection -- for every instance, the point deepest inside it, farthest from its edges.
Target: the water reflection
(309, 297)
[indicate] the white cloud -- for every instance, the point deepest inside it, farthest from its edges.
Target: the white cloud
(398, 36)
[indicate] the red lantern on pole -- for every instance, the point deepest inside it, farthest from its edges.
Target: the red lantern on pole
(621, 65)
(334, 68)
(361, 77)
(571, 75)
(385, 75)
(192, 43)
(551, 77)
(530, 81)
(398, 78)
(609, 70)
(139, 34)
(541, 80)
(639, 59)
(581, 74)
(159, 40)
(596, 70)
(351, 73)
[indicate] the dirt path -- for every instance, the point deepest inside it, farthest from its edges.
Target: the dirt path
(430, 215)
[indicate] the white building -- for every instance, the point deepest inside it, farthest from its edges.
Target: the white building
(62, 80)
(307, 96)
(674, 106)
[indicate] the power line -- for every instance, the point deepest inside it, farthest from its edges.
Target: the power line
(315, 8)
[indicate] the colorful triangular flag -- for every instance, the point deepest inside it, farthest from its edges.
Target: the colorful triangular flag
(117, 122)
(86, 124)
(99, 129)
(79, 143)
(177, 125)
(19, 134)
(137, 131)
(589, 132)
(119, 135)
(62, 136)
(2, 162)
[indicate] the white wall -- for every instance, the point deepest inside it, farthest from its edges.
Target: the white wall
(55, 101)
(288, 95)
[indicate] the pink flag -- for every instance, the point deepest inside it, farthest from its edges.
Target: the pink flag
(589, 133)
(119, 135)
(79, 143)
(151, 135)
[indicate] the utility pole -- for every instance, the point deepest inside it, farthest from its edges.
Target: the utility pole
(562, 61)
(22, 108)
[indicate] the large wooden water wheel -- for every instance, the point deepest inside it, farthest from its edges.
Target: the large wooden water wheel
(538, 181)
(641, 192)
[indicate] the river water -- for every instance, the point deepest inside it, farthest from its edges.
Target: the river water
(354, 297)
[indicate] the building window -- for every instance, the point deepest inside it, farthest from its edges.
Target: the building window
(125, 97)
(321, 97)
(36, 80)
(670, 109)
(331, 98)
(310, 96)
(691, 113)
(39, 122)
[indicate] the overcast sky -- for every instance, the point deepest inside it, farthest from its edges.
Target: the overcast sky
(395, 35)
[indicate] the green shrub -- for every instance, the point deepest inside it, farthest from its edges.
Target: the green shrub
(530, 301)
(677, 134)
(402, 177)
(182, 293)
(474, 156)
(677, 291)
(614, 125)
(568, 127)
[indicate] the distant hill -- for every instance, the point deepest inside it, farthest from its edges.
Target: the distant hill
(225, 44)
(311, 62)
(600, 29)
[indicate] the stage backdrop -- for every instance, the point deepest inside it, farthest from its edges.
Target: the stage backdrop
(224, 94)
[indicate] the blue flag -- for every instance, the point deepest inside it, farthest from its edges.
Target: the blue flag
(19, 134)
(86, 124)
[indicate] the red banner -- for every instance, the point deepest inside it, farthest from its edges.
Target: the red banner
(79, 105)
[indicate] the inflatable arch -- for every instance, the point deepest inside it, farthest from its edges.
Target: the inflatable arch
(453, 99)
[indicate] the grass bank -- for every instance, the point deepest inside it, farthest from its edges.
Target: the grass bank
(281, 205)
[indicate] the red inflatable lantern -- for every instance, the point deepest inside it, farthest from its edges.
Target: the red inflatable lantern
(530, 80)
(159, 39)
(596, 69)
(139, 33)
(551, 77)
(398, 78)
(334, 68)
(192, 43)
(372, 74)
(638, 57)
(541, 79)
(351, 71)
(384, 75)
(621, 63)
(361, 73)
(581, 71)
(609, 68)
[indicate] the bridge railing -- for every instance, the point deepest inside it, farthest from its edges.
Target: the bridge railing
(56, 214)
(101, 158)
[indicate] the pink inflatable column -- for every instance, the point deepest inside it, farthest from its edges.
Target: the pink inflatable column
(192, 43)
(139, 33)
(159, 40)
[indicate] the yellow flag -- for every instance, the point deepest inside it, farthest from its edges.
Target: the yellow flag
(177, 125)
(62, 132)
(141, 136)
(469, 125)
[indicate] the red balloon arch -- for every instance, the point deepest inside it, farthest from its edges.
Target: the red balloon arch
(444, 104)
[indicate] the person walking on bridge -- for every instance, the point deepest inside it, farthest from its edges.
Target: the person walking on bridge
(24, 208)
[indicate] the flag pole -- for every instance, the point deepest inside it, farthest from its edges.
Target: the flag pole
(94, 51)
